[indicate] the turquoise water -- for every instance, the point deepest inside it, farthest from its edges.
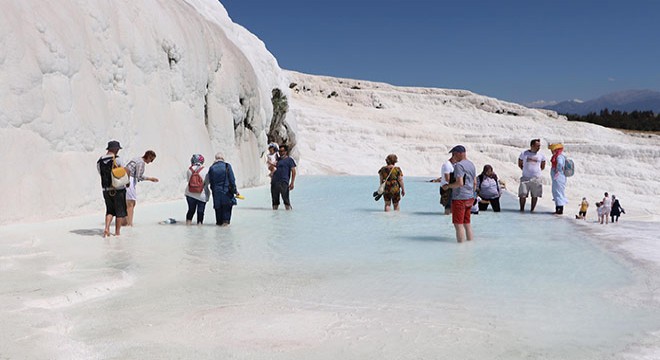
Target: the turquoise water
(339, 278)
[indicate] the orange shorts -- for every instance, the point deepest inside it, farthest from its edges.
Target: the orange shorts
(460, 211)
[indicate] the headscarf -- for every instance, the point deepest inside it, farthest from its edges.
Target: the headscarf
(557, 149)
(197, 159)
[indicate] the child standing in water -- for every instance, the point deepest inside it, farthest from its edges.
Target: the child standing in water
(271, 158)
(602, 212)
(584, 205)
(475, 207)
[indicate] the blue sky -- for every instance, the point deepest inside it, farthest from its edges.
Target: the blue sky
(520, 51)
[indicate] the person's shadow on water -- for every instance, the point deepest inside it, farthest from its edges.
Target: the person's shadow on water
(432, 213)
(430, 238)
(526, 212)
(424, 213)
(88, 232)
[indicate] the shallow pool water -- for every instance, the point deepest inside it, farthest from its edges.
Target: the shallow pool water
(334, 278)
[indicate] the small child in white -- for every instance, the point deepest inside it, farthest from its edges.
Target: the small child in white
(272, 157)
(602, 212)
(475, 206)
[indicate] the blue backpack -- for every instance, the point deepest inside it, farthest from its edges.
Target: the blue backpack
(569, 167)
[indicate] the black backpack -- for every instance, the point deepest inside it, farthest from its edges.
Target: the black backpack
(105, 168)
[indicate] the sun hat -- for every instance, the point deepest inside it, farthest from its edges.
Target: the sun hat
(273, 145)
(555, 146)
(457, 149)
(113, 144)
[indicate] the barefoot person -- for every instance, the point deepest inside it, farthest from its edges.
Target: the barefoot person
(463, 193)
(607, 206)
(446, 172)
(283, 179)
(136, 168)
(488, 189)
(582, 213)
(114, 197)
(393, 177)
(223, 186)
(532, 163)
(197, 190)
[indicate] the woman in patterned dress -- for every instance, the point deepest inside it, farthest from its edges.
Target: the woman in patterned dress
(394, 188)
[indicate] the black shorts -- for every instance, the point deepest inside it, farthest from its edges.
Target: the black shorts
(582, 213)
(115, 202)
(277, 189)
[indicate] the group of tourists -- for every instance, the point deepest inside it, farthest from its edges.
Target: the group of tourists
(607, 208)
(218, 180)
(532, 163)
(463, 193)
(119, 181)
(458, 183)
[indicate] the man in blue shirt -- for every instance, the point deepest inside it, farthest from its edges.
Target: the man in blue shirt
(283, 179)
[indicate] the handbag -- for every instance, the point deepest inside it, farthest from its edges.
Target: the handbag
(231, 188)
(119, 175)
(381, 189)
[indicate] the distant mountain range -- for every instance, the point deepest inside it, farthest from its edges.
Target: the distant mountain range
(629, 100)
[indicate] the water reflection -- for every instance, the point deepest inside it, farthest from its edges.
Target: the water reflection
(117, 256)
(340, 268)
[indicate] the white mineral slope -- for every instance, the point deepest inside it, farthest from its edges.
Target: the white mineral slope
(348, 127)
(177, 77)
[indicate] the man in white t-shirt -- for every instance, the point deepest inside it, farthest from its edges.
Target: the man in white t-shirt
(532, 163)
(445, 174)
(445, 194)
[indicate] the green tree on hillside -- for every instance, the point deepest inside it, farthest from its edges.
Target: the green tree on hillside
(636, 120)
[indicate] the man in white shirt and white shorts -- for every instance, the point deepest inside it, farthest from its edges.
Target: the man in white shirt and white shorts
(532, 163)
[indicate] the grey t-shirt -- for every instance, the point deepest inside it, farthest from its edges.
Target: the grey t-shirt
(464, 168)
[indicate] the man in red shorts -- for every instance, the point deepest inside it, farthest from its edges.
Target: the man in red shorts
(462, 196)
